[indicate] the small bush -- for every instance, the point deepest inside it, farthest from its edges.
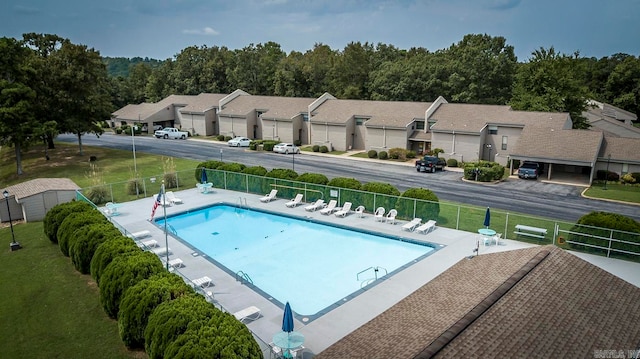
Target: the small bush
(315, 178)
(98, 194)
(452, 162)
(232, 167)
(372, 154)
(134, 186)
(255, 170)
(282, 173)
(123, 272)
(343, 182)
(118, 130)
(170, 180)
(628, 179)
(430, 209)
(227, 138)
(324, 149)
(398, 154)
(297, 143)
(315, 148)
(382, 188)
(610, 176)
(220, 137)
(383, 155)
(411, 154)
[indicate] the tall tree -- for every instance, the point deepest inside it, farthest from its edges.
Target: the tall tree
(624, 85)
(552, 82)
(350, 74)
(17, 121)
(318, 63)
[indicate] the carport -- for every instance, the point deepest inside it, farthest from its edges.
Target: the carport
(569, 156)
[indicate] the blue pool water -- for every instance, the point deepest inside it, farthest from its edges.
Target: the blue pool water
(311, 265)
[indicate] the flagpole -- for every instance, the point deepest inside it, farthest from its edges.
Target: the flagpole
(166, 238)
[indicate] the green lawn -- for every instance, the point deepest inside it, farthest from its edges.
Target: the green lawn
(616, 192)
(49, 310)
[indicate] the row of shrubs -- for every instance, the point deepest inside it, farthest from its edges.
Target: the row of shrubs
(628, 178)
(483, 171)
(156, 310)
(430, 210)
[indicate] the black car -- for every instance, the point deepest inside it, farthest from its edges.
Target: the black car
(430, 164)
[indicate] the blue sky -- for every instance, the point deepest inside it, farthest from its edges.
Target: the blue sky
(162, 28)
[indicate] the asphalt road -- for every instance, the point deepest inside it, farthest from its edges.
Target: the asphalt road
(556, 201)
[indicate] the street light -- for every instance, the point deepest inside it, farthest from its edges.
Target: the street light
(14, 245)
(606, 175)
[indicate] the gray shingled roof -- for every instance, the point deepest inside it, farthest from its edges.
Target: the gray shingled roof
(624, 149)
(144, 110)
(547, 143)
(203, 102)
(39, 185)
(379, 113)
(473, 118)
(542, 302)
(271, 106)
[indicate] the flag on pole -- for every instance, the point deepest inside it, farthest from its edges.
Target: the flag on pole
(157, 202)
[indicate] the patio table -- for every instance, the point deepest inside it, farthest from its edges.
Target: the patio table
(288, 341)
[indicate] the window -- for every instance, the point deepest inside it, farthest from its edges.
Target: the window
(305, 117)
(493, 130)
(419, 125)
(504, 143)
(360, 121)
(432, 122)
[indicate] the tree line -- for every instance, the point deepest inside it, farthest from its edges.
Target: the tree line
(49, 85)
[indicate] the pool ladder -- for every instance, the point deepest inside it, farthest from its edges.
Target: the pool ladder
(243, 277)
(242, 202)
(365, 282)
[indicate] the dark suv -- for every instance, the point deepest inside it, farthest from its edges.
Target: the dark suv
(430, 164)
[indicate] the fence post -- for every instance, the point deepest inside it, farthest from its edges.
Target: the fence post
(506, 226)
(610, 240)
(458, 219)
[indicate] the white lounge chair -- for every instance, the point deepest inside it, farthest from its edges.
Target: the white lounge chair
(172, 198)
(360, 211)
(379, 214)
(296, 201)
(410, 226)
(176, 263)
(250, 313)
(150, 243)
(346, 208)
(270, 196)
(162, 251)
(330, 207)
(315, 206)
(427, 227)
(139, 235)
(391, 216)
(203, 282)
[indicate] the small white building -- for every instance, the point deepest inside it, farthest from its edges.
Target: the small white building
(31, 200)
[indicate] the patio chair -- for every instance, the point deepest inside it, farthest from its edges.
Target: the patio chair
(249, 313)
(330, 207)
(176, 263)
(296, 201)
(315, 206)
(346, 208)
(360, 211)
(379, 214)
(497, 238)
(427, 227)
(152, 243)
(410, 226)
(391, 216)
(270, 196)
(172, 198)
(203, 282)
(139, 235)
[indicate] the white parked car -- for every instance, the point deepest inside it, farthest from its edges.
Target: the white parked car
(286, 148)
(239, 142)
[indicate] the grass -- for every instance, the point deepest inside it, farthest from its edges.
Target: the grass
(615, 191)
(49, 310)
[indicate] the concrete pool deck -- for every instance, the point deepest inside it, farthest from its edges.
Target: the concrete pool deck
(321, 333)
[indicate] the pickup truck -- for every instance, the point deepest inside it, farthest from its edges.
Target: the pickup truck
(430, 164)
(529, 169)
(170, 132)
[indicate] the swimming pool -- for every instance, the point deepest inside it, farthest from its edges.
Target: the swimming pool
(313, 266)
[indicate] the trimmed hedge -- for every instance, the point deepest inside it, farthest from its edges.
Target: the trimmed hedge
(372, 154)
(383, 155)
(107, 251)
(452, 162)
(488, 171)
(255, 170)
(88, 238)
(73, 222)
(315, 178)
(282, 173)
(123, 272)
(56, 215)
(171, 319)
(424, 210)
(141, 299)
(379, 187)
(343, 182)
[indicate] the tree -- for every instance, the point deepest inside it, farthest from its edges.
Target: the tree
(552, 82)
(17, 121)
(624, 85)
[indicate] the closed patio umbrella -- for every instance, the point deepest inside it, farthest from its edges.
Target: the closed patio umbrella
(487, 218)
(203, 176)
(287, 319)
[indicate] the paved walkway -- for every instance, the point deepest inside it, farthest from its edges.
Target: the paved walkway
(232, 295)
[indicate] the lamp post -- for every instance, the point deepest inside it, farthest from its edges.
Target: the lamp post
(14, 245)
(135, 165)
(606, 175)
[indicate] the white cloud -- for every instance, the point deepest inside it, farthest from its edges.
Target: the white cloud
(207, 31)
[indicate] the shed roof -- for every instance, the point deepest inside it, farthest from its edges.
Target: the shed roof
(540, 302)
(379, 113)
(39, 185)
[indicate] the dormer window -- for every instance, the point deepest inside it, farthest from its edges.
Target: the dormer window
(493, 130)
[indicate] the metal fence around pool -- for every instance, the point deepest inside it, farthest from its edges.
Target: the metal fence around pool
(601, 241)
